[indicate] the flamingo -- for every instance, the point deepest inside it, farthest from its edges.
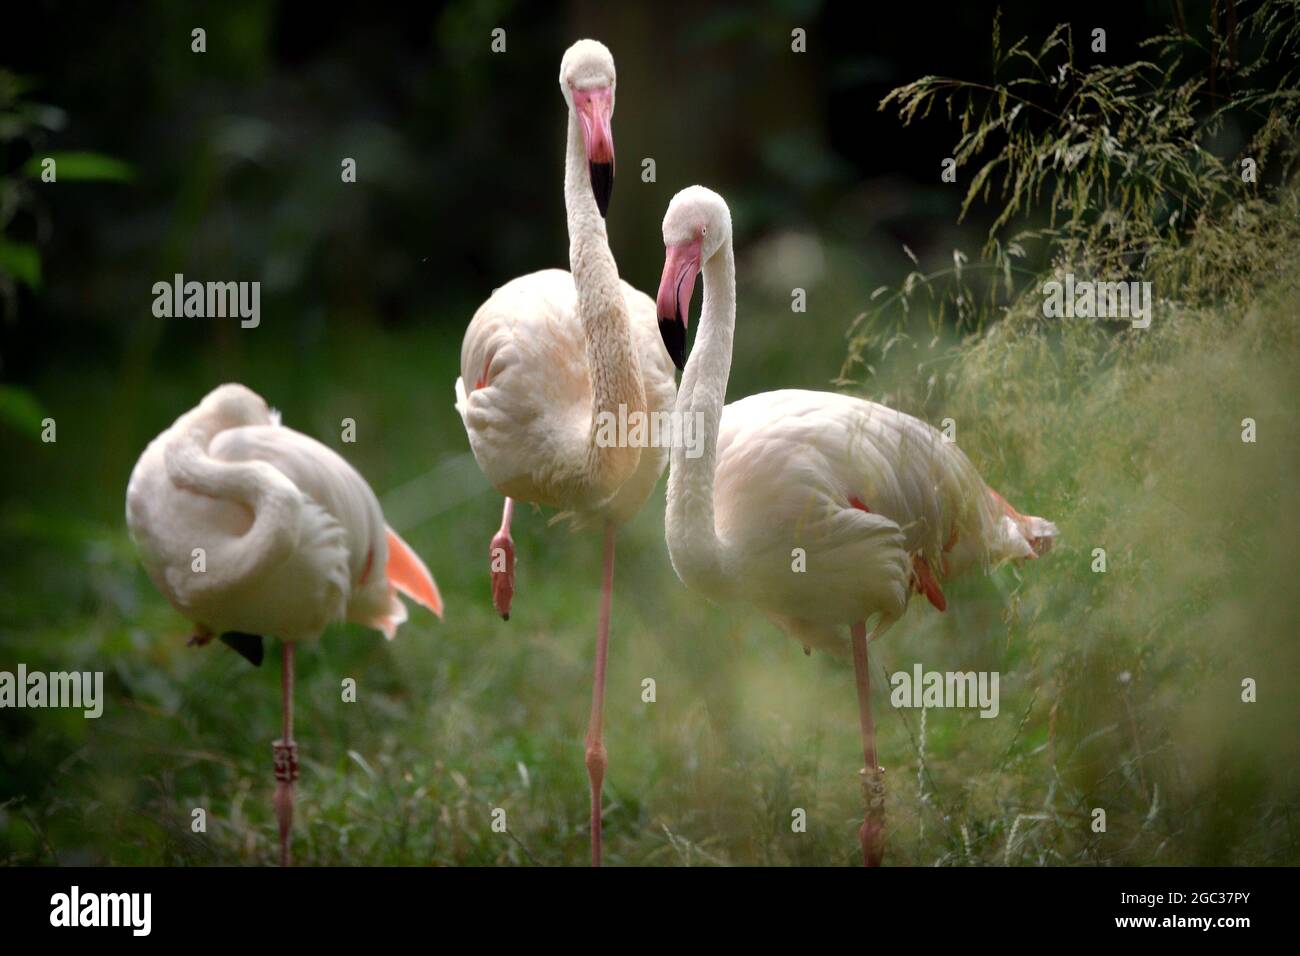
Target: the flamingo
(881, 503)
(549, 358)
(251, 528)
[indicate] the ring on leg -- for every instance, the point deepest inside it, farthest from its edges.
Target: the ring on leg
(872, 833)
(286, 760)
(286, 773)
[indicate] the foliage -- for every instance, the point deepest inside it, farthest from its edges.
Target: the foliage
(1112, 165)
(25, 127)
(1132, 440)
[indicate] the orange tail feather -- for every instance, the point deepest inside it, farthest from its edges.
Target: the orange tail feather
(1039, 533)
(407, 573)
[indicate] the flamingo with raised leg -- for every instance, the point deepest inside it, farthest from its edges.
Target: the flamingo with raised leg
(249, 528)
(550, 359)
(881, 503)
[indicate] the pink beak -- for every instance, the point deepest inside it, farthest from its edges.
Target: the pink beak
(595, 111)
(673, 304)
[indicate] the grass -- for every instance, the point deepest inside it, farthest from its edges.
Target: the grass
(1119, 690)
(453, 719)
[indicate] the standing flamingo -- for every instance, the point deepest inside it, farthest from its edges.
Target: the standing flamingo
(549, 356)
(881, 504)
(251, 528)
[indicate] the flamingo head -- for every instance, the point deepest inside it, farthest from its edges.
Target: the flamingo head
(696, 226)
(233, 405)
(587, 80)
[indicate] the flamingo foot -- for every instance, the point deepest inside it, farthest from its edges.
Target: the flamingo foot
(502, 553)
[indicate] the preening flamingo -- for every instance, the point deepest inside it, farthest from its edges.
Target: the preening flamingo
(881, 503)
(548, 355)
(250, 528)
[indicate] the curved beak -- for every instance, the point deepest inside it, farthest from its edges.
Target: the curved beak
(673, 304)
(595, 111)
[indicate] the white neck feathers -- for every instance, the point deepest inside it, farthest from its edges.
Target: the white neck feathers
(612, 360)
(689, 524)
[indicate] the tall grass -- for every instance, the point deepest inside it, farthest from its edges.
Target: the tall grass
(1130, 439)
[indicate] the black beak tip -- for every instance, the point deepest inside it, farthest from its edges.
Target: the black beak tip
(602, 185)
(673, 333)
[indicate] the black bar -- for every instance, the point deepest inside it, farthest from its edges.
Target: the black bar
(440, 906)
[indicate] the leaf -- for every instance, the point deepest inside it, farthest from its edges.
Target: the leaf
(360, 761)
(20, 409)
(21, 261)
(82, 165)
(43, 115)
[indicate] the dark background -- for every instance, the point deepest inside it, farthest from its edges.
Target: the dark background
(236, 152)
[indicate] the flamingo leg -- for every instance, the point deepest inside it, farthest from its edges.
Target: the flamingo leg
(872, 833)
(501, 553)
(596, 756)
(286, 755)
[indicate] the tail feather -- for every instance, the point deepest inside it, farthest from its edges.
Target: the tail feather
(1022, 536)
(407, 573)
(1039, 532)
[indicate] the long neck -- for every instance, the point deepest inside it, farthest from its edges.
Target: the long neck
(273, 500)
(611, 358)
(692, 536)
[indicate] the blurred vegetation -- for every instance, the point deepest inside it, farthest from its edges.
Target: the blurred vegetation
(1119, 690)
(1132, 440)
(26, 126)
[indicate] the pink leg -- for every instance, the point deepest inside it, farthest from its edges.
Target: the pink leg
(596, 757)
(872, 834)
(286, 755)
(502, 555)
